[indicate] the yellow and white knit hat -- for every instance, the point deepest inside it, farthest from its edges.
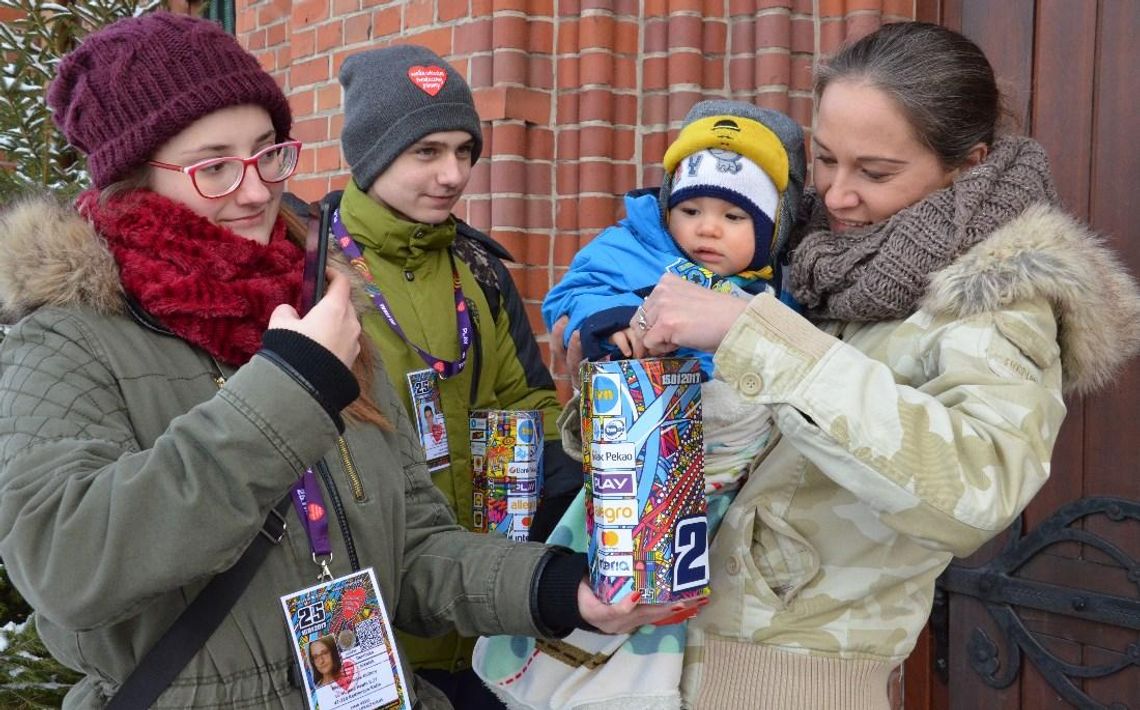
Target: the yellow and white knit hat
(715, 172)
(769, 150)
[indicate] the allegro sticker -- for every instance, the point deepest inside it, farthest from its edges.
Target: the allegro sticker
(521, 505)
(616, 511)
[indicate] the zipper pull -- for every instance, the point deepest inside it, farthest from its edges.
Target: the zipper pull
(219, 378)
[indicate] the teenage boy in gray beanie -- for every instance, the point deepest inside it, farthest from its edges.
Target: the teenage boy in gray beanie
(449, 322)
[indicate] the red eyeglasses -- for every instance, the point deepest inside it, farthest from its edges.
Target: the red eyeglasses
(218, 177)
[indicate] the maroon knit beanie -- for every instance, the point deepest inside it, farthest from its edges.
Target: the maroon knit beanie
(130, 87)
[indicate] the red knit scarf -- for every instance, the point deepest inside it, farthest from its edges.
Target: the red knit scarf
(208, 285)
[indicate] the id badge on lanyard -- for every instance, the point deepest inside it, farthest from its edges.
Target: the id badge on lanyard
(339, 628)
(427, 413)
(344, 644)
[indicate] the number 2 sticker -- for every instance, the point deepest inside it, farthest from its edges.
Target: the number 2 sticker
(690, 553)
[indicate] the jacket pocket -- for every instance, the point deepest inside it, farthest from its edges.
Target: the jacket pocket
(781, 556)
(731, 553)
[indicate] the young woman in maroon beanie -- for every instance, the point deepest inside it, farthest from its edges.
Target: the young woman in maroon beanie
(160, 396)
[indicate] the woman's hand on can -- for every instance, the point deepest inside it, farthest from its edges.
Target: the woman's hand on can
(627, 615)
(678, 314)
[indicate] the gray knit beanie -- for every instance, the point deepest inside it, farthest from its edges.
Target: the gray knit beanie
(395, 96)
(786, 130)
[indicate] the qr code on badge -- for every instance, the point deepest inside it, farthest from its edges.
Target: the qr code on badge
(370, 634)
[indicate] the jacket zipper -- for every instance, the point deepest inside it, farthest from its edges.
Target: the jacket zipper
(350, 469)
(338, 510)
(219, 378)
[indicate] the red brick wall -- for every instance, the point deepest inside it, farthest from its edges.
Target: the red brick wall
(579, 98)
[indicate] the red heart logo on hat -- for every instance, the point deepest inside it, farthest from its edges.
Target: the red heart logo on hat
(430, 79)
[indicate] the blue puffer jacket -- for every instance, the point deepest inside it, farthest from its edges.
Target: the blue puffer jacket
(612, 275)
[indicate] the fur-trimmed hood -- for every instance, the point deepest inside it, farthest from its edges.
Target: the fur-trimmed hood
(51, 256)
(1045, 252)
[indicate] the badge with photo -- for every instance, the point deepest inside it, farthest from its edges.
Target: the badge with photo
(427, 412)
(345, 645)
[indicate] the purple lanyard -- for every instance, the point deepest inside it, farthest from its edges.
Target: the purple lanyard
(444, 368)
(310, 506)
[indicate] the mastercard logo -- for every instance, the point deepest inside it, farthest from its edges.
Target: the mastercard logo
(616, 539)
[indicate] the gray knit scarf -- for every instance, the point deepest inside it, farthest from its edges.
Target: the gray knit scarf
(881, 272)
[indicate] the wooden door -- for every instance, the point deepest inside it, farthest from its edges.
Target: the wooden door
(1048, 615)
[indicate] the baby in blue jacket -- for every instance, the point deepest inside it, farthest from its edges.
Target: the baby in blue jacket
(733, 181)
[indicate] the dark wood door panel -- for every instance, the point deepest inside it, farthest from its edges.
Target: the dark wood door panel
(1112, 431)
(1062, 118)
(998, 28)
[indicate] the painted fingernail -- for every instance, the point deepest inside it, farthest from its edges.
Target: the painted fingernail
(702, 601)
(676, 618)
(636, 597)
(670, 620)
(676, 607)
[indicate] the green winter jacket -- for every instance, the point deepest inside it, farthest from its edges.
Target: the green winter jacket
(409, 261)
(130, 474)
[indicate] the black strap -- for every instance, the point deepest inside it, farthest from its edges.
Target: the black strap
(162, 664)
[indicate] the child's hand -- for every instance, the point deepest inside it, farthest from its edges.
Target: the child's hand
(629, 342)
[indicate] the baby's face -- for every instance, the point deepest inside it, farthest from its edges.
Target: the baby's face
(714, 233)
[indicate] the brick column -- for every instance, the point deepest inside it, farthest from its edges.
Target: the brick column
(512, 192)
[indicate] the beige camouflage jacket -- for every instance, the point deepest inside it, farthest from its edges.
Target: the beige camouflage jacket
(903, 444)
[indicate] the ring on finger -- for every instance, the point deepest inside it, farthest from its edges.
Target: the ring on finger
(641, 321)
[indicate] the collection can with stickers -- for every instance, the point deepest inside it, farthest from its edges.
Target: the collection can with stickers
(643, 452)
(506, 464)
